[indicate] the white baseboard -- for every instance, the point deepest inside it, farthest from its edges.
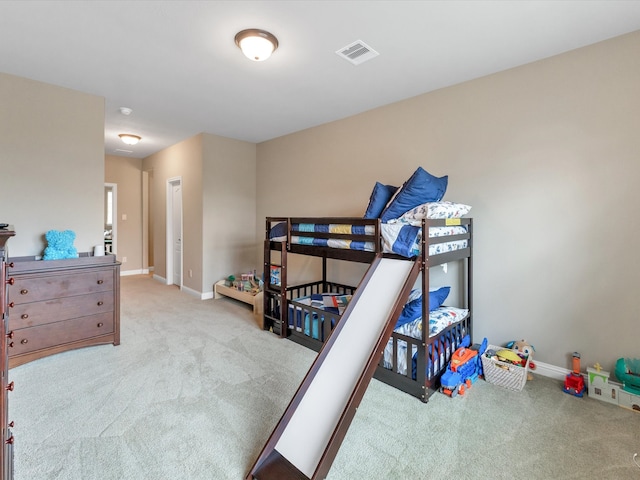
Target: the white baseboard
(206, 295)
(160, 279)
(548, 370)
(195, 293)
(190, 291)
(124, 273)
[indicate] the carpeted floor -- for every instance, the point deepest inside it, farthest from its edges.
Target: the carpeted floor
(195, 389)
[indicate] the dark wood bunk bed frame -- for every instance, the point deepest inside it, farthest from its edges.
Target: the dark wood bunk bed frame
(432, 353)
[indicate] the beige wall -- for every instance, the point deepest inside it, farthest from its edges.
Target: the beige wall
(182, 160)
(127, 174)
(229, 205)
(219, 198)
(51, 155)
(547, 155)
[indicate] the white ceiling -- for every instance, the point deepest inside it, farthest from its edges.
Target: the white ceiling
(176, 65)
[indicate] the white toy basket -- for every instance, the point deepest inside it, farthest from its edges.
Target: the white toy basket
(504, 374)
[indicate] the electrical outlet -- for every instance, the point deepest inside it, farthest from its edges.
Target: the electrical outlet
(124, 259)
(190, 273)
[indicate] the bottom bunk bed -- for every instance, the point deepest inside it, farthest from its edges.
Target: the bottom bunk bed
(311, 318)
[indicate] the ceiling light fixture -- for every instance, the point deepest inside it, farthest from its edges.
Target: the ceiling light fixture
(257, 45)
(129, 138)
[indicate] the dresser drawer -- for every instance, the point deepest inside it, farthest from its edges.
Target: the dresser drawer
(49, 311)
(53, 334)
(32, 288)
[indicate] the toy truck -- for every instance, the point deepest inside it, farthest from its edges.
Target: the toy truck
(464, 368)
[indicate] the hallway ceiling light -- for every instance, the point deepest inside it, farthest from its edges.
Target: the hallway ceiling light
(257, 45)
(129, 138)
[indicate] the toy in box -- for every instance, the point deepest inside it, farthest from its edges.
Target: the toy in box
(504, 367)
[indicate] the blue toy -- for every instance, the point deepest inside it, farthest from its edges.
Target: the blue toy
(60, 245)
(464, 368)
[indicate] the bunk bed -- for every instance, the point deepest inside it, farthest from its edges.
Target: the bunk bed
(421, 345)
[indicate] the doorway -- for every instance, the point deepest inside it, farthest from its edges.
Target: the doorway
(174, 232)
(110, 218)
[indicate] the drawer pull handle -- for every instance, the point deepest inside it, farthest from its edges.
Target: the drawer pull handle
(100, 325)
(100, 303)
(24, 341)
(24, 316)
(10, 334)
(11, 305)
(10, 344)
(11, 424)
(100, 282)
(10, 265)
(11, 281)
(10, 387)
(24, 291)
(9, 440)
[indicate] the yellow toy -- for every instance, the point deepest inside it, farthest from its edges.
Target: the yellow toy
(510, 356)
(525, 350)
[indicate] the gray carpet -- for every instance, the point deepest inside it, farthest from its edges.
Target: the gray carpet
(195, 389)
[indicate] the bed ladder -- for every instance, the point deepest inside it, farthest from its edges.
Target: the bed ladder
(275, 294)
(307, 438)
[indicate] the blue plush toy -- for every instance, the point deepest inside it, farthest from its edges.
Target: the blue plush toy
(60, 245)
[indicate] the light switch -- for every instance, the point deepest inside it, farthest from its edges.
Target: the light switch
(124, 216)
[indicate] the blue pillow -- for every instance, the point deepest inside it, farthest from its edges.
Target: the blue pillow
(379, 198)
(437, 297)
(413, 309)
(278, 230)
(410, 312)
(421, 188)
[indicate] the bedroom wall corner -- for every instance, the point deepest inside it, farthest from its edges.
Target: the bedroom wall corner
(229, 209)
(183, 160)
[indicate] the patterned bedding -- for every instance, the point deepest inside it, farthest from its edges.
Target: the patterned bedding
(397, 238)
(439, 319)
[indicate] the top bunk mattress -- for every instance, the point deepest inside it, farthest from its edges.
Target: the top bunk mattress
(401, 239)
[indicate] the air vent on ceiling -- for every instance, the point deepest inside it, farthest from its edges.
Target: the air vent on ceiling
(121, 150)
(357, 52)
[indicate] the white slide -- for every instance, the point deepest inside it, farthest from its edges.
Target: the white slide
(309, 425)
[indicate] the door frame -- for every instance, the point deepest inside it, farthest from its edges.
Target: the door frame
(172, 182)
(114, 219)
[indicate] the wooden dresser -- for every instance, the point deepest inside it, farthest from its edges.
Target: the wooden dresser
(6, 440)
(60, 305)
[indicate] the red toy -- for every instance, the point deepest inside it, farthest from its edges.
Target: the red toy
(574, 383)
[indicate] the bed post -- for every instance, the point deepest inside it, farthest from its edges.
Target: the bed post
(422, 363)
(470, 277)
(324, 274)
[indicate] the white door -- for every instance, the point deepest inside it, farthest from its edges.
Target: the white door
(176, 215)
(111, 218)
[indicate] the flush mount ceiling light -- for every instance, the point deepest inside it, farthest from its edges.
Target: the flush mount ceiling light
(129, 138)
(257, 45)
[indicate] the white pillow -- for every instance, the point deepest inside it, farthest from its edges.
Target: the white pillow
(434, 210)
